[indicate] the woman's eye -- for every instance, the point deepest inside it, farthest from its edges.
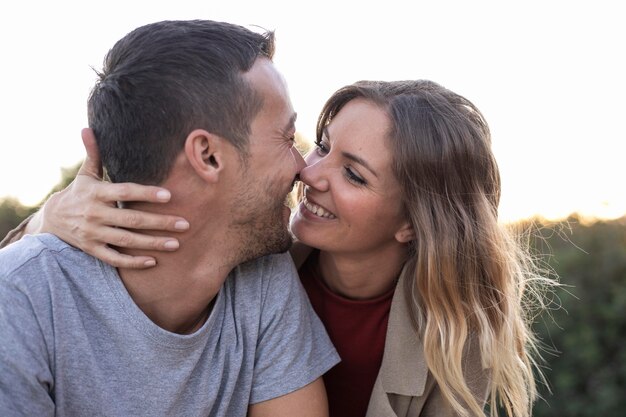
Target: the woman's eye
(353, 177)
(322, 149)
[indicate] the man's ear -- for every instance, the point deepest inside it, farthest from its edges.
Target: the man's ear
(406, 233)
(206, 154)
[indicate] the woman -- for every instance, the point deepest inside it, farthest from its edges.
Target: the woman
(421, 290)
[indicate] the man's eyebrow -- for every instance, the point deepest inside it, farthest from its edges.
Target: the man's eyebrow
(291, 124)
(352, 156)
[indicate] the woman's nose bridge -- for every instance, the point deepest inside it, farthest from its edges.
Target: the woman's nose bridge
(313, 173)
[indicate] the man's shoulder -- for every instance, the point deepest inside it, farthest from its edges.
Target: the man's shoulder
(23, 251)
(31, 252)
(268, 277)
(278, 263)
(275, 270)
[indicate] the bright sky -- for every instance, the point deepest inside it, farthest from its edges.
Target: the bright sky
(548, 75)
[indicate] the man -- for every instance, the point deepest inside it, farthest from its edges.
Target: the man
(198, 107)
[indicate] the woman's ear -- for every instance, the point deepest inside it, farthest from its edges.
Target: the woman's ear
(406, 233)
(205, 153)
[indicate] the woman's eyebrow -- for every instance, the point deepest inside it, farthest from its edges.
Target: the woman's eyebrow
(359, 161)
(352, 156)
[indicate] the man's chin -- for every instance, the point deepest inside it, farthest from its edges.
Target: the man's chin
(272, 244)
(286, 246)
(279, 244)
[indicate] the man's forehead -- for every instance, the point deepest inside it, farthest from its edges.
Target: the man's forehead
(265, 79)
(263, 76)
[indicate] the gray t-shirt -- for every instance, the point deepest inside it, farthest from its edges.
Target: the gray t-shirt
(73, 342)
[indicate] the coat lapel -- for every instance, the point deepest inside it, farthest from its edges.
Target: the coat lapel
(403, 370)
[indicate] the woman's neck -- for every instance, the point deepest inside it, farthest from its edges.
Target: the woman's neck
(361, 276)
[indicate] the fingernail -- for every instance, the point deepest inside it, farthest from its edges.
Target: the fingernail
(163, 195)
(151, 262)
(181, 225)
(171, 244)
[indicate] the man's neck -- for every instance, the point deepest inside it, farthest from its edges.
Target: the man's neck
(177, 294)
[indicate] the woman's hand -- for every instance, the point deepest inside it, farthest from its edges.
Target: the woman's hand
(85, 214)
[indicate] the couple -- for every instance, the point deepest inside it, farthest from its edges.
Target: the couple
(399, 250)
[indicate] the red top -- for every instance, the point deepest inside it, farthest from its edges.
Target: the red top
(357, 328)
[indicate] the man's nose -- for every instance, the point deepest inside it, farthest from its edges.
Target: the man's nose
(300, 164)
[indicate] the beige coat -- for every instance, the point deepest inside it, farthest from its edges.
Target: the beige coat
(404, 387)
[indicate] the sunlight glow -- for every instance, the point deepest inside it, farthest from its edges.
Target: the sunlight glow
(545, 74)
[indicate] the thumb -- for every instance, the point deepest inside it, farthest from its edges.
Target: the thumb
(91, 166)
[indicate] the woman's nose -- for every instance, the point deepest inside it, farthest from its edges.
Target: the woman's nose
(313, 175)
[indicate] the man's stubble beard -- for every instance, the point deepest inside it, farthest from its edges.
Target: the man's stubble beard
(259, 225)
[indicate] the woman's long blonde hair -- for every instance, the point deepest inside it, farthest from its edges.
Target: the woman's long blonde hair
(468, 277)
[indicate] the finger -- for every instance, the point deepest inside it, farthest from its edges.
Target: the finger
(139, 220)
(127, 191)
(127, 239)
(91, 165)
(120, 260)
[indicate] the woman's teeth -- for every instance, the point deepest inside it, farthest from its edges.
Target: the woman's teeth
(317, 210)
